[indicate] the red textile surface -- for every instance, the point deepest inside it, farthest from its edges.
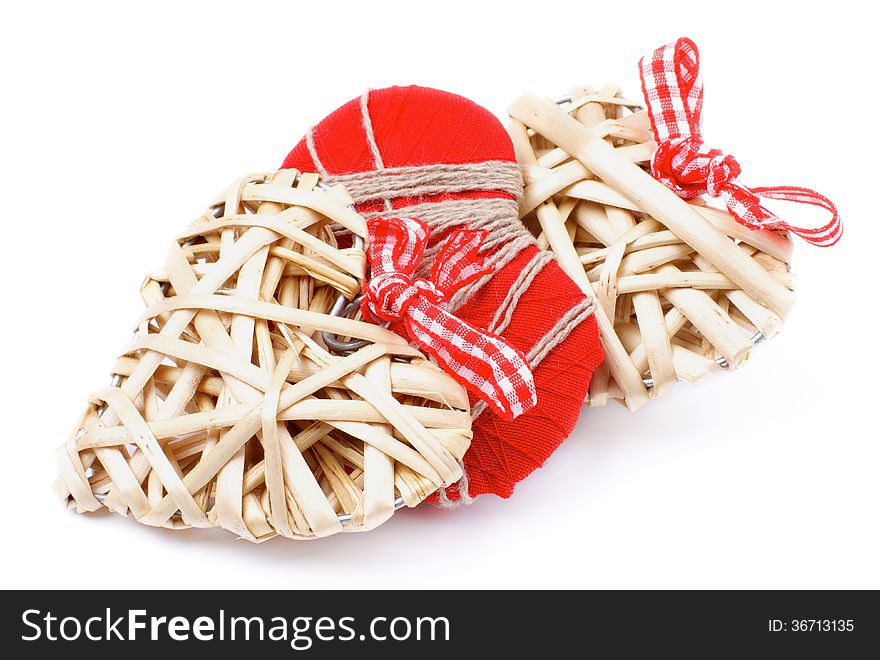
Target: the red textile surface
(420, 126)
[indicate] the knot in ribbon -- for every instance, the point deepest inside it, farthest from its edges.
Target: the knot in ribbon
(392, 294)
(483, 362)
(673, 89)
(686, 166)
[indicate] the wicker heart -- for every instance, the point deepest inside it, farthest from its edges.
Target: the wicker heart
(228, 410)
(683, 289)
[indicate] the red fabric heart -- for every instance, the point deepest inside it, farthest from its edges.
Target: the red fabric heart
(416, 126)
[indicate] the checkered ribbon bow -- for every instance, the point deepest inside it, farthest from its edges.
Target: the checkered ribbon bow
(673, 89)
(481, 361)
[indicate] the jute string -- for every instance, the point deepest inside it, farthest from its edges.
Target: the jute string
(371, 141)
(497, 216)
(504, 314)
(557, 334)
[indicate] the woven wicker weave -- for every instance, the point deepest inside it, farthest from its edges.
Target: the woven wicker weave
(228, 410)
(683, 288)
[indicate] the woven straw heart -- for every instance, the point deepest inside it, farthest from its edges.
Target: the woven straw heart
(683, 288)
(228, 410)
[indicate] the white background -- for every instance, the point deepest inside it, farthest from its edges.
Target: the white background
(120, 121)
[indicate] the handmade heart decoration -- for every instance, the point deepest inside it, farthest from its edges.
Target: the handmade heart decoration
(379, 323)
(421, 153)
(618, 193)
(228, 410)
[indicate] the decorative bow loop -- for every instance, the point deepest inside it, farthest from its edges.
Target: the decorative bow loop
(673, 90)
(483, 362)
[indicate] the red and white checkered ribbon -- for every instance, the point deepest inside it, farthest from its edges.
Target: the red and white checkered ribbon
(481, 361)
(673, 89)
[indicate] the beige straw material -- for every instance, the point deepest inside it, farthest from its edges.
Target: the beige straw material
(683, 288)
(228, 410)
